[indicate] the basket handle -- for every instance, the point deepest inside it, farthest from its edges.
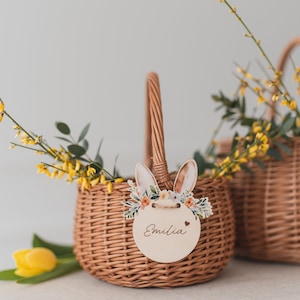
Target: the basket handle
(155, 157)
(281, 65)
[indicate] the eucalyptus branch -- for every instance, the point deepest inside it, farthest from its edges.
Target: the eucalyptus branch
(285, 94)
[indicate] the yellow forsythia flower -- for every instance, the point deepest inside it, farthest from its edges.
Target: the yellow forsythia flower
(292, 105)
(109, 187)
(119, 180)
(90, 171)
(35, 261)
(102, 178)
(1, 110)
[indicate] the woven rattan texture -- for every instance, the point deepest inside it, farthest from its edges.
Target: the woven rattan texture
(105, 247)
(267, 205)
(104, 244)
(267, 210)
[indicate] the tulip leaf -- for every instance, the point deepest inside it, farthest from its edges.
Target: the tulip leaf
(59, 250)
(60, 270)
(9, 275)
(63, 128)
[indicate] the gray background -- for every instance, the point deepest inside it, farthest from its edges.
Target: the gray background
(86, 61)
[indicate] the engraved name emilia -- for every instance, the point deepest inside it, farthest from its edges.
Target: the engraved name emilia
(151, 230)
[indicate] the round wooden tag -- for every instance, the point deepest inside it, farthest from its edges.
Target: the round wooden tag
(166, 231)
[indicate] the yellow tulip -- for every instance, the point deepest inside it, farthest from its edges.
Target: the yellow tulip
(35, 261)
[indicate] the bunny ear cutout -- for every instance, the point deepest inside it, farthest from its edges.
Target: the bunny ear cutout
(186, 178)
(144, 178)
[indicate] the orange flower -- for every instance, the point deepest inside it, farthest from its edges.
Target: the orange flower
(145, 201)
(189, 202)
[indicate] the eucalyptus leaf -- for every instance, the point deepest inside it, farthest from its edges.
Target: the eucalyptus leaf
(296, 131)
(99, 159)
(243, 105)
(228, 114)
(99, 148)
(85, 145)
(283, 147)
(115, 170)
(260, 163)
(209, 165)
(84, 132)
(9, 275)
(234, 141)
(274, 153)
(287, 125)
(60, 270)
(247, 121)
(96, 166)
(63, 128)
(59, 250)
(200, 161)
(76, 150)
(64, 139)
(247, 169)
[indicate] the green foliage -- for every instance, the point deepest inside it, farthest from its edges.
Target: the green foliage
(202, 163)
(60, 270)
(9, 275)
(63, 128)
(59, 250)
(67, 263)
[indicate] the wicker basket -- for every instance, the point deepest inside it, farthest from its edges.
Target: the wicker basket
(267, 205)
(104, 244)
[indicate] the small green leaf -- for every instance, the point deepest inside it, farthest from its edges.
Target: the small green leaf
(59, 250)
(99, 148)
(247, 121)
(99, 159)
(200, 161)
(228, 114)
(60, 270)
(115, 170)
(9, 275)
(274, 153)
(209, 165)
(64, 139)
(153, 189)
(260, 163)
(63, 128)
(84, 132)
(243, 105)
(246, 169)
(234, 141)
(283, 147)
(77, 150)
(85, 145)
(96, 166)
(287, 125)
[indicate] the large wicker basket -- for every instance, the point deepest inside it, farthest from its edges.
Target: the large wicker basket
(267, 205)
(104, 244)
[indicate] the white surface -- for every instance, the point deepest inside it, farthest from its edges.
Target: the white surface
(241, 280)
